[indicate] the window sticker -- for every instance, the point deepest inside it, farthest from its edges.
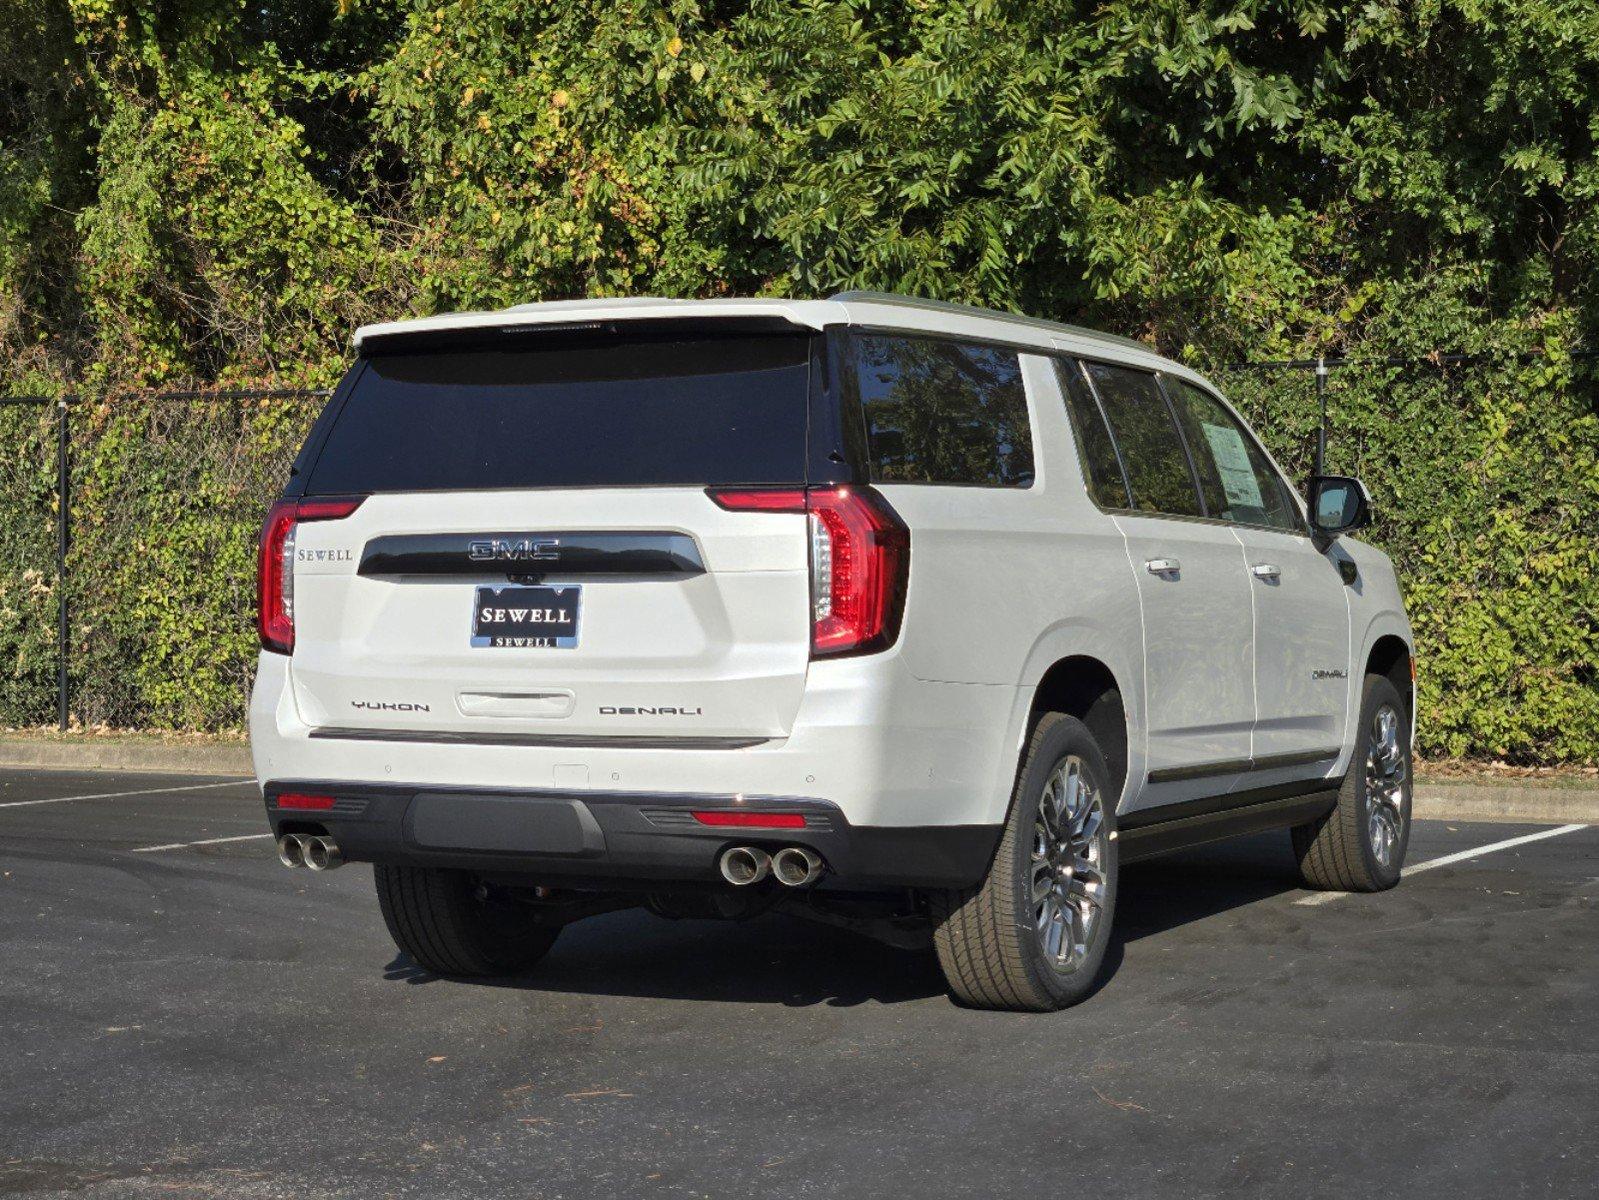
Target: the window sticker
(1232, 461)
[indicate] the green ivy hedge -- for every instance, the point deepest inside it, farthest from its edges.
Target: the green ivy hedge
(1486, 483)
(1485, 477)
(214, 194)
(167, 497)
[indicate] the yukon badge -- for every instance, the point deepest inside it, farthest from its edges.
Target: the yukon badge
(512, 549)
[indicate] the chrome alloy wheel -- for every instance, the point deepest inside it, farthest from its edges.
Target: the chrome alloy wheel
(1385, 786)
(1068, 875)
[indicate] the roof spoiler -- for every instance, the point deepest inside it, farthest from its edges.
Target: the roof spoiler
(508, 333)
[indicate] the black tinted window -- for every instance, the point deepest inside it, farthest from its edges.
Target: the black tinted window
(1101, 471)
(572, 414)
(1246, 488)
(1157, 465)
(942, 412)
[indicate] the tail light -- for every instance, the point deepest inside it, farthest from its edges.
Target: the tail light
(275, 567)
(860, 561)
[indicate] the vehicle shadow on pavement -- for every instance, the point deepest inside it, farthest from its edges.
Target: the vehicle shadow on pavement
(772, 959)
(1167, 893)
(784, 960)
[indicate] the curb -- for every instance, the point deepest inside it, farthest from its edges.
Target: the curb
(112, 754)
(1500, 802)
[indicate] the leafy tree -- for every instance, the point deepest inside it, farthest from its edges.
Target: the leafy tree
(210, 191)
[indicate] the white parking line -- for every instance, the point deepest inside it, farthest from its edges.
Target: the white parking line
(243, 837)
(188, 787)
(1451, 859)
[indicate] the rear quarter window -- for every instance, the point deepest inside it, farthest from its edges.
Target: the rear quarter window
(941, 411)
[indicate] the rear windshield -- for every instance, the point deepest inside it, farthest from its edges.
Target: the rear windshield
(692, 411)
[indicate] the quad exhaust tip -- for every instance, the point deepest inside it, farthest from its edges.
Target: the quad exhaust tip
(744, 865)
(311, 850)
(793, 866)
(796, 866)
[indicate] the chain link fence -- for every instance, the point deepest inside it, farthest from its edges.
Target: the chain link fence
(1482, 470)
(134, 607)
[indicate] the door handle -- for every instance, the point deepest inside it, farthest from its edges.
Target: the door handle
(1265, 571)
(1163, 566)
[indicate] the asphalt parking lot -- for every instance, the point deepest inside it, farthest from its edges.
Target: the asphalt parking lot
(183, 1017)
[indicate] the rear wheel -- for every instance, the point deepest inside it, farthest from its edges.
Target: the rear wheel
(1032, 936)
(452, 924)
(1360, 845)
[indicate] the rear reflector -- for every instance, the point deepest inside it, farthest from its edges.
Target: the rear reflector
(304, 801)
(750, 820)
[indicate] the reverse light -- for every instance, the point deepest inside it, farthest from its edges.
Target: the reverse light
(749, 820)
(860, 561)
(275, 565)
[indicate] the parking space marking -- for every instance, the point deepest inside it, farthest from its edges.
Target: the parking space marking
(1450, 859)
(243, 837)
(188, 787)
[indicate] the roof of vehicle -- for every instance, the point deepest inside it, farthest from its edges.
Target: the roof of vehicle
(877, 309)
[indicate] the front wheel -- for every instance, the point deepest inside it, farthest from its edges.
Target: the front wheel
(1360, 845)
(453, 924)
(1032, 936)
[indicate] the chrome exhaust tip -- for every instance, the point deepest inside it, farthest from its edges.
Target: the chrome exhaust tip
(291, 849)
(796, 866)
(744, 865)
(322, 854)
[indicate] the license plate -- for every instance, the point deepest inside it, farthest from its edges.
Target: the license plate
(527, 617)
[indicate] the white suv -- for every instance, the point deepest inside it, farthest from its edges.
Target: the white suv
(911, 617)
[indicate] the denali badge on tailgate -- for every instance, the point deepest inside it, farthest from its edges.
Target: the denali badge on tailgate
(530, 617)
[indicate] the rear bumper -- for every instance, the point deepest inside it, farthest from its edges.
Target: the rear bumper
(619, 838)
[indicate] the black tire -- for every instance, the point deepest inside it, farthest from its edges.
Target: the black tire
(1338, 852)
(987, 937)
(451, 926)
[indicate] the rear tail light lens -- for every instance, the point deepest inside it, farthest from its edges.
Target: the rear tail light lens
(275, 566)
(860, 562)
(860, 557)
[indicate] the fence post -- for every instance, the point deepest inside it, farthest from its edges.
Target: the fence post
(1321, 409)
(63, 501)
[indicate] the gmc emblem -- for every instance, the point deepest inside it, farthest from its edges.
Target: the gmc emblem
(507, 550)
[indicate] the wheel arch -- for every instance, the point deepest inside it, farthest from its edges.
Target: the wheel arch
(1085, 687)
(1390, 656)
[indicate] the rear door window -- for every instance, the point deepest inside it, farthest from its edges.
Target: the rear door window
(574, 412)
(1146, 433)
(941, 411)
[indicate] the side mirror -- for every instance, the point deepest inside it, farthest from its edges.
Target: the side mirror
(1338, 504)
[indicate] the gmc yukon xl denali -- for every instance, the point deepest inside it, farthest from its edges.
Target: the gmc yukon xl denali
(914, 618)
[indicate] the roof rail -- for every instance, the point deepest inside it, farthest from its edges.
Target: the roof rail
(972, 310)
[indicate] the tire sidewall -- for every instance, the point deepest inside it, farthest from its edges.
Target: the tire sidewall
(1057, 738)
(1379, 691)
